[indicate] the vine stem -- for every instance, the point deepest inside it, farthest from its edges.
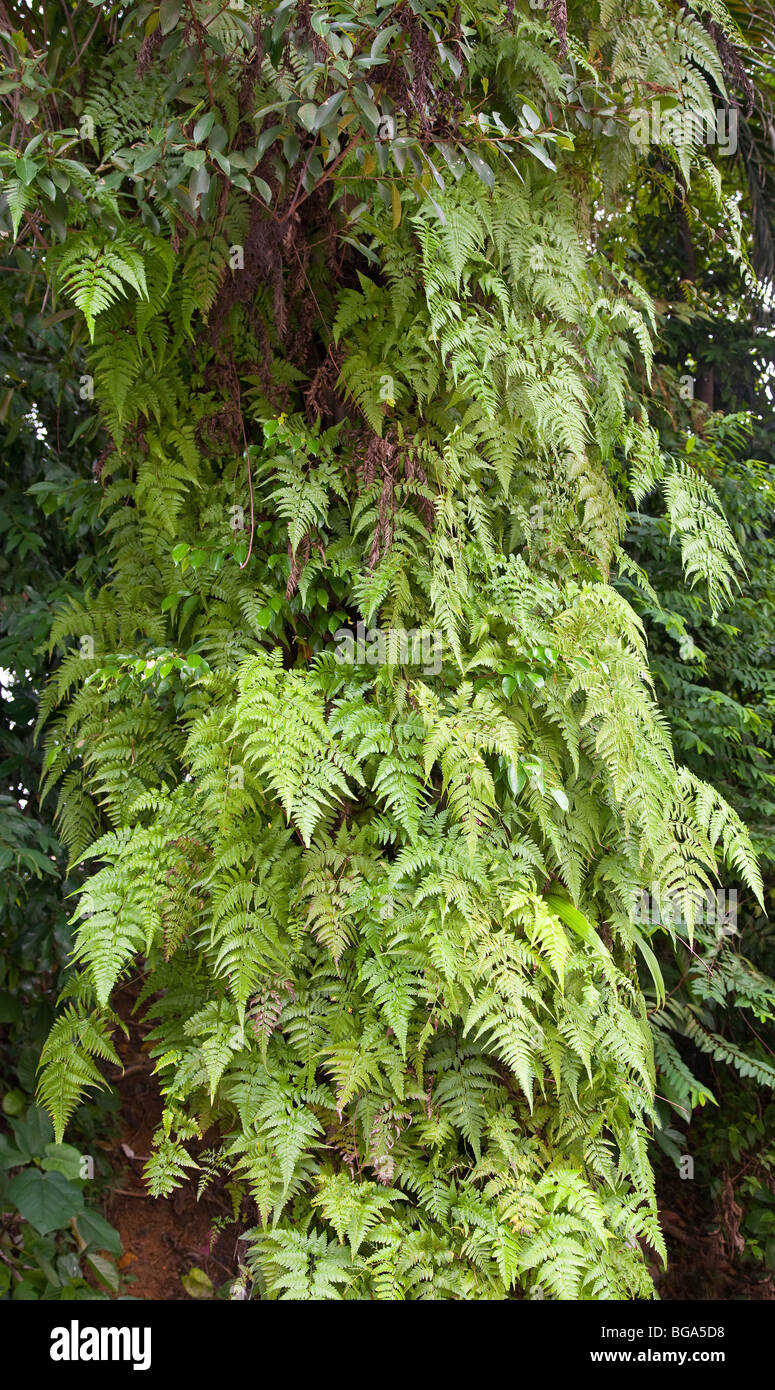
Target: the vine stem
(197, 30)
(250, 476)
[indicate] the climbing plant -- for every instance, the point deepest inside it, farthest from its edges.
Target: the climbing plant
(355, 740)
(711, 401)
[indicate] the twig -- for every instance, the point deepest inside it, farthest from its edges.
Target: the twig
(132, 1071)
(197, 30)
(14, 1271)
(250, 474)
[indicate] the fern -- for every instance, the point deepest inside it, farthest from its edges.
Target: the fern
(383, 914)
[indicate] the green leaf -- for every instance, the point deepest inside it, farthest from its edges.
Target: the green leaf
(328, 110)
(577, 922)
(197, 1284)
(47, 1200)
(33, 1132)
(560, 798)
(14, 1102)
(482, 170)
(98, 1233)
(291, 146)
(367, 108)
(145, 159)
(653, 967)
(104, 1269)
(540, 153)
(169, 14)
(64, 1159)
(306, 115)
(198, 185)
(47, 187)
(517, 778)
(531, 115)
(10, 1156)
(267, 138)
(26, 169)
(383, 39)
(203, 126)
(451, 157)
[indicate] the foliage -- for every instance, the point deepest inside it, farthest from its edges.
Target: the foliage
(50, 1241)
(52, 1245)
(714, 1035)
(357, 357)
(43, 559)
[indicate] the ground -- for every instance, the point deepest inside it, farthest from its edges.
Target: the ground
(163, 1238)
